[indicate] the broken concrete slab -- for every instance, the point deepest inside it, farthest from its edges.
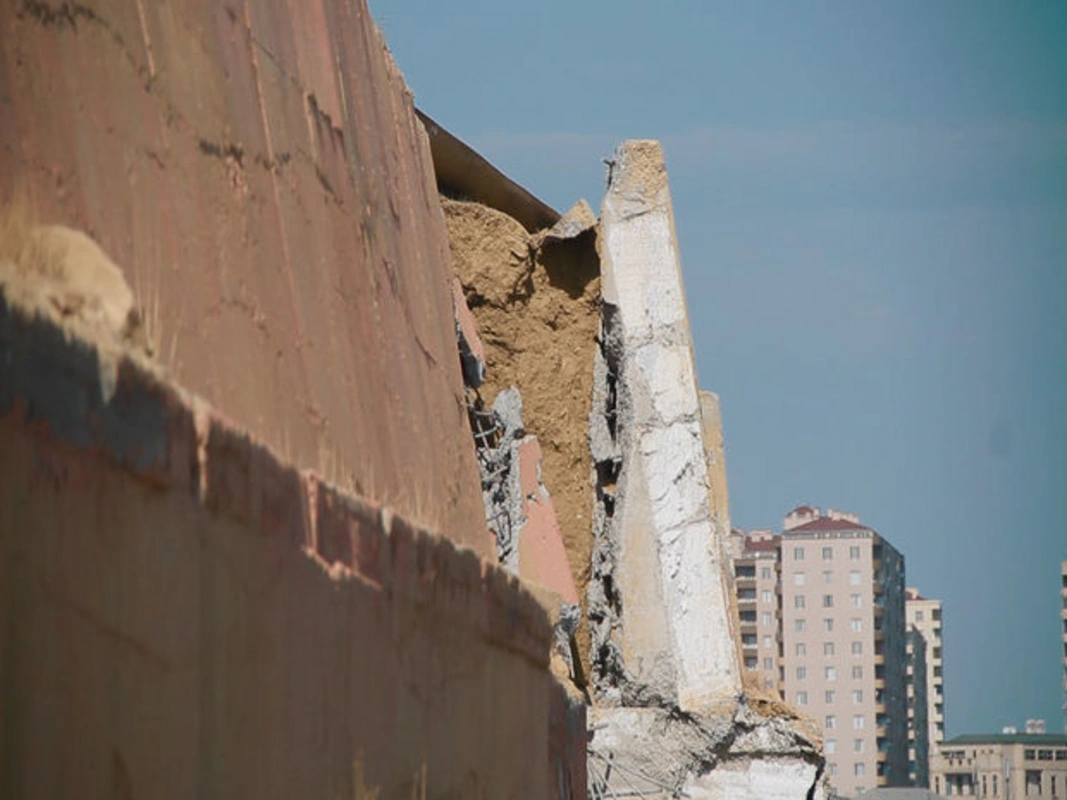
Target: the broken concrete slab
(579, 218)
(671, 635)
(542, 557)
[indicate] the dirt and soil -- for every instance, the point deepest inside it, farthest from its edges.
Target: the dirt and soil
(64, 275)
(538, 314)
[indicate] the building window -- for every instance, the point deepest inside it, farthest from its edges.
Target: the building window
(827, 554)
(995, 788)
(765, 573)
(1033, 783)
(827, 601)
(857, 600)
(857, 722)
(827, 576)
(831, 673)
(854, 577)
(831, 746)
(937, 785)
(854, 552)
(828, 625)
(802, 649)
(751, 662)
(802, 698)
(857, 624)
(765, 596)
(857, 672)
(827, 648)
(919, 615)
(768, 643)
(798, 601)
(857, 696)
(859, 768)
(765, 617)
(830, 722)
(802, 673)
(798, 553)
(857, 648)
(857, 745)
(798, 625)
(832, 768)
(831, 696)
(798, 578)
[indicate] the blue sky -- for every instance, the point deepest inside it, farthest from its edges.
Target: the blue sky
(871, 201)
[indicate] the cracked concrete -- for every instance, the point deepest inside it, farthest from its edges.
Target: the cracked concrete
(672, 716)
(264, 183)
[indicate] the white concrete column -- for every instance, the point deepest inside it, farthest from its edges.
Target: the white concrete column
(674, 633)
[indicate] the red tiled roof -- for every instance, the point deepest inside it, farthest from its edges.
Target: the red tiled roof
(801, 510)
(827, 524)
(763, 545)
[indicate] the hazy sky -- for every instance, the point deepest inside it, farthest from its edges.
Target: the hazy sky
(871, 199)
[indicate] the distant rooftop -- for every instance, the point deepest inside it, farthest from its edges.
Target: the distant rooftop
(1058, 739)
(828, 524)
(761, 545)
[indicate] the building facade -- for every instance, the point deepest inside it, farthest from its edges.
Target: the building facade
(759, 601)
(1011, 766)
(843, 644)
(918, 709)
(924, 615)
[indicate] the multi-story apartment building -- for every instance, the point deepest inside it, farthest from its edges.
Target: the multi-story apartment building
(755, 557)
(843, 644)
(918, 709)
(924, 615)
(1011, 766)
(1063, 626)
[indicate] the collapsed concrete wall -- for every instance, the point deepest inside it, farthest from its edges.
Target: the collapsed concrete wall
(182, 614)
(258, 172)
(535, 301)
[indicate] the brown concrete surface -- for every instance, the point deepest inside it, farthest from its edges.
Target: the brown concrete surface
(257, 170)
(184, 615)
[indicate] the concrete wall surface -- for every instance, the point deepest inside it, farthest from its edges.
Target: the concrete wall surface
(183, 615)
(257, 170)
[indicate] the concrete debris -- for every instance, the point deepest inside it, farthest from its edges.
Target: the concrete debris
(497, 435)
(578, 219)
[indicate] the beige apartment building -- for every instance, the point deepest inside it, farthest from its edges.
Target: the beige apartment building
(924, 615)
(1012, 766)
(759, 606)
(918, 708)
(843, 644)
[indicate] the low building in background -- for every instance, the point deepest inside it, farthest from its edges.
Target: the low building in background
(1001, 765)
